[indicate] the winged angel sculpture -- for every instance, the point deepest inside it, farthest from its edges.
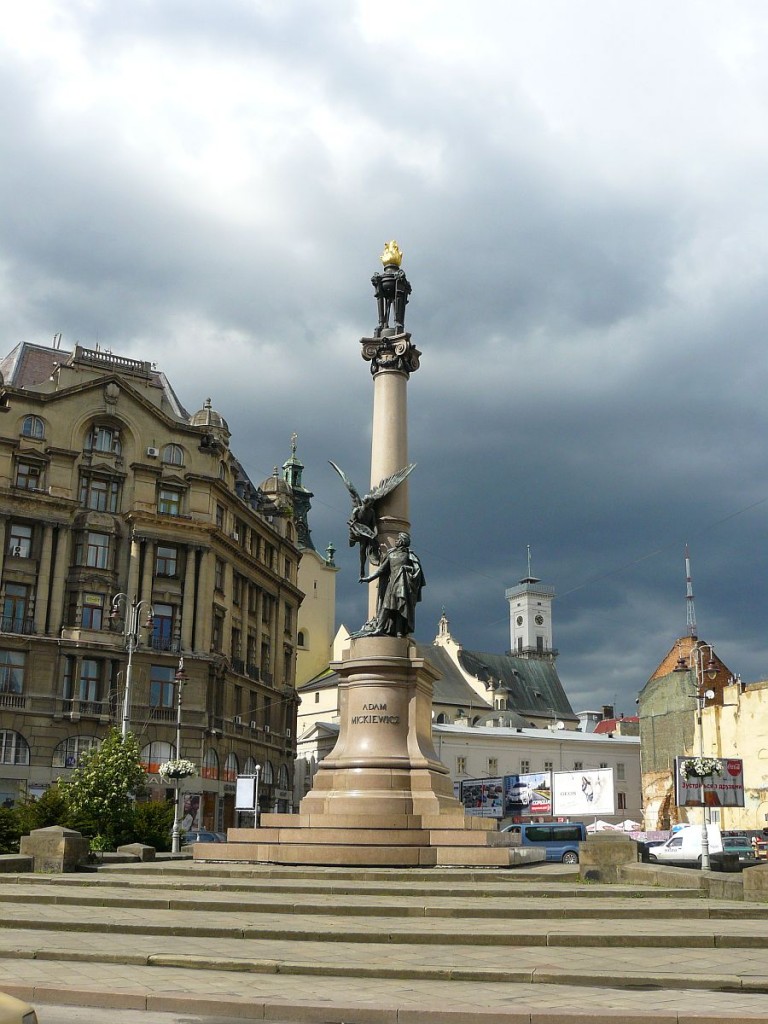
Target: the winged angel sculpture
(362, 523)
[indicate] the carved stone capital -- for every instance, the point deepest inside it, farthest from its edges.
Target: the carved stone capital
(393, 353)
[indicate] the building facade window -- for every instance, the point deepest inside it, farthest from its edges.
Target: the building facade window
(218, 575)
(82, 680)
(166, 560)
(210, 766)
(162, 686)
(155, 754)
(525, 766)
(29, 476)
(461, 765)
(12, 665)
(92, 549)
(103, 439)
(547, 766)
(162, 627)
(16, 607)
(33, 427)
(69, 751)
(268, 774)
(20, 540)
(283, 778)
(237, 589)
(621, 801)
(169, 501)
(220, 516)
(620, 772)
(99, 493)
(493, 766)
(578, 766)
(14, 749)
(173, 455)
(93, 611)
(231, 767)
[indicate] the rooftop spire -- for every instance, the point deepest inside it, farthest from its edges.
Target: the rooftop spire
(689, 605)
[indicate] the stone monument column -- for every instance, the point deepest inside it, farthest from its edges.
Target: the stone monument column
(384, 761)
(382, 796)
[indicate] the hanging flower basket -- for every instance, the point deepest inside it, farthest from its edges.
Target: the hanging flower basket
(700, 767)
(178, 769)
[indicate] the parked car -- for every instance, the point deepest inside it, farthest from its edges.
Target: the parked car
(559, 839)
(683, 849)
(739, 845)
(199, 836)
(15, 1011)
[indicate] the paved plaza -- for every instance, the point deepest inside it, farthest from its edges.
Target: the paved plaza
(382, 947)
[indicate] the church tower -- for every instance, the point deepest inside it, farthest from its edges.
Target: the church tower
(530, 617)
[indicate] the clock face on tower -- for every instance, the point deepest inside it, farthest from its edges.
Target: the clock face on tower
(539, 620)
(519, 620)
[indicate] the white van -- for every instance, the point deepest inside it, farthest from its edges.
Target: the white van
(684, 847)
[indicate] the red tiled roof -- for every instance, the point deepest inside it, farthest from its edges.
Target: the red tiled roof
(612, 724)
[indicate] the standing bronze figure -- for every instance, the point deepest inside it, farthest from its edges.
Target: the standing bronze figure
(401, 580)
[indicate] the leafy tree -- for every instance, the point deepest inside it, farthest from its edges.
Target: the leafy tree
(101, 790)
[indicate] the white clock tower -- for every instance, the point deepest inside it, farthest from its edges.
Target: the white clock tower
(530, 618)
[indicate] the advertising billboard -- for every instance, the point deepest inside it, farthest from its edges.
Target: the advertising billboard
(526, 795)
(583, 792)
(723, 788)
(483, 798)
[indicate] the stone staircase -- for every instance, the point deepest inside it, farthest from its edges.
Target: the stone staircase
(384, 946)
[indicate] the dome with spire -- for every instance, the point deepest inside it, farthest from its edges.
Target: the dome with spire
(277, 490)
(208, 417)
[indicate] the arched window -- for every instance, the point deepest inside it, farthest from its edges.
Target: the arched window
(210, 769)
(155, 754)
(283, 778)
(300, 639)
(33, 426)
(442, 719)
(14, 749)
(249, 768)
(103, 439)
(267, 775)
(173, 455)
(67, 753)
(230, 767)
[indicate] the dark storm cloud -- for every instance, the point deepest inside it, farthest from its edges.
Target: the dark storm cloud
(208, 186)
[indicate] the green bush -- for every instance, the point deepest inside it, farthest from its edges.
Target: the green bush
(9, 830)
(50, 809)
(152, 824)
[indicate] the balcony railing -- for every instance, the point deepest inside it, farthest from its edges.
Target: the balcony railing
(13, 700)
(85, 708)
(12, 624)
(238, 665)
(252, 671)
(165, 643)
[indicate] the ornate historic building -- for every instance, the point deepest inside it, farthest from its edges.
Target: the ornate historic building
(137, 555)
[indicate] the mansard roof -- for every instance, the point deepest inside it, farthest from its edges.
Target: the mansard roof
(532, 684)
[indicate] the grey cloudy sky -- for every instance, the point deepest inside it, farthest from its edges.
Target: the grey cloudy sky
(580, 193)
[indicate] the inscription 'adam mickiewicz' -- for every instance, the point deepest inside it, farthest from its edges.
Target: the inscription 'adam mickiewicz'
(375, 719)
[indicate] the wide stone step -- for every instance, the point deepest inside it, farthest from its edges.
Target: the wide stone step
(373, 905)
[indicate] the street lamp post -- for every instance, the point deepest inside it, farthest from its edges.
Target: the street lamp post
(131, 630)
(702, 672)
(181, 679)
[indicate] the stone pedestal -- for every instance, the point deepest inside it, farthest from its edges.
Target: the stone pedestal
(381, 797)
(55, 849)
(384, 761)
